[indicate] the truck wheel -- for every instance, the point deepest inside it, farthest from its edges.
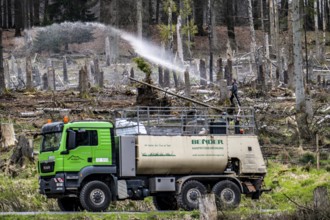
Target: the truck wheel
(227, 194)
(95, 196)
(190, 192)
(69, 204)
(165, 203)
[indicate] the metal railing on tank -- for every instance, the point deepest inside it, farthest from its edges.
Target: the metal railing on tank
(185, 121)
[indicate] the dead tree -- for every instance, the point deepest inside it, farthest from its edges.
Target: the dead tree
(219, 72)
(2, 74)
(29, 84)
(202, 72)
(97, 71)
(36, 76)
(45, 81)
(7, 135)
(160, 76)
(229, 71)
(187, 83)
(51, 75)
(176, 80)
(101, 79)
(65, 70)
(166, 77)
(83, 82)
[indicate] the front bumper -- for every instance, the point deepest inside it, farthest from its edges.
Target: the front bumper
(53, 186)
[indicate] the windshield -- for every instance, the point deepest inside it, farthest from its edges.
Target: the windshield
(51, 141)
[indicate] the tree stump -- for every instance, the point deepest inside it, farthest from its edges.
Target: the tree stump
(23, 152)
(187, 83)
(321, 198)
(160, 76)
(223, 90)
(166, 82)
(207, 207)
(83, 82)
(7, 136)
(202, 69)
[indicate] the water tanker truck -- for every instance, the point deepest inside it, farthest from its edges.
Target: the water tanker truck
(175, 155)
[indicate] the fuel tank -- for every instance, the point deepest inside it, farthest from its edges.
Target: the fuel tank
(181, 154)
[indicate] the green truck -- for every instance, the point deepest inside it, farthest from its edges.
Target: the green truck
(175, 155)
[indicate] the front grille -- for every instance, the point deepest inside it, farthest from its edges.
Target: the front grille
(47, 167)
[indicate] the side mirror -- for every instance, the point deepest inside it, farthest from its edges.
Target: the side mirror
(71, 142)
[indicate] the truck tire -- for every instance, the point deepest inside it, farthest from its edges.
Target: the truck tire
(69, 204)
(95, 196)
(164, 203)
(227, 194)
(190, 192)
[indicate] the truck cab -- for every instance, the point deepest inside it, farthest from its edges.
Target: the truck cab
(172, 154)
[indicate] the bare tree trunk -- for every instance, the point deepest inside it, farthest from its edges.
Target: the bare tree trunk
(210, 33)
(157, 11)
(36, 74)
(36, 20)
(220, 71)
(6, 74)
(269, 63)
(324, 29)
(5, 13)
(298, 62)
(83, 80)
(10, 16)
(65, 70)
(51, 75)
(230, 23)
(29, 85)
(97, 71)
(179, 40)
(202, 69)
(109, 15)
(2, 74)
(262, 15)
(166, 77)
(316, 26)
(253, 38)
(45, 81)
(271, 6)
(31, 13)
(160, 76)
(277, 44)
(18, 17)
(107, 51)
(139, 18)
(176, 80)
(291, 74)
(187, 83)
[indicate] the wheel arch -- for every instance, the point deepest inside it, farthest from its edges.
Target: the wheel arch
(104, 174)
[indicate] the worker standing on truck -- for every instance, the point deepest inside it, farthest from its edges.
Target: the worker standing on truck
(234, 90)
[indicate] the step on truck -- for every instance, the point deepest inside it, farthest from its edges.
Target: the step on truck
(175, 155)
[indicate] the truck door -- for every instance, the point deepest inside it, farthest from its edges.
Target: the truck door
(81, 155)
(103, 153)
